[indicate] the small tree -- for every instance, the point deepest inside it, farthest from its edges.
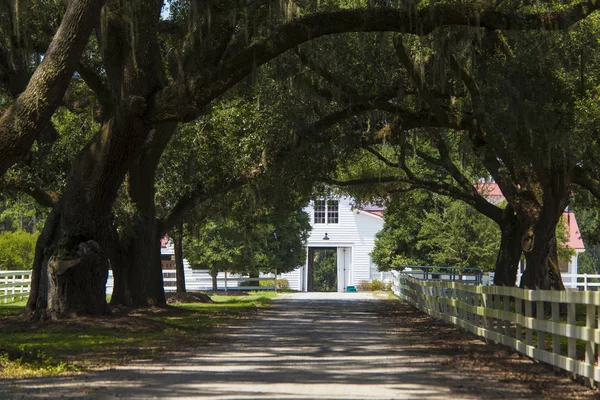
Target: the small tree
(17, 250)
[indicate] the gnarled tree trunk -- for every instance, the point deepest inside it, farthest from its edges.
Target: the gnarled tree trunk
(542, 271)
(138, 277)
(509, 254)
(540, 212)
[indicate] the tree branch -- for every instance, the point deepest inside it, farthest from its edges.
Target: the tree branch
(29, 114)
(582, 178)
(381, 157)
(206, 88)
(95, 83)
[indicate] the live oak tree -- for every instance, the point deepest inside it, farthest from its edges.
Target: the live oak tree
(155, 73)
(535, 157)
(34, 96)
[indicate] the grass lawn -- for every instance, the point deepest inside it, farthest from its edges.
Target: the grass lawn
(85, 343)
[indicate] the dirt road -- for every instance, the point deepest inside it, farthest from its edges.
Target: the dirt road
(324, 346)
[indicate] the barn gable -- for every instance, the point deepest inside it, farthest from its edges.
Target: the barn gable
(336, 224)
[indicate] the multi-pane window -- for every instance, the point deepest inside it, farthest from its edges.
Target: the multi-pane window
(326, 211)
(333, 214)
(320, 211)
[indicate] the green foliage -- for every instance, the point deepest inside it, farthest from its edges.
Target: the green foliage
(588, 262)
(20, 212)
(325, 270)
(422, 229)
(395, 244)
(282, 284)
(17, 250)
(372, 286)
(562, 238)
(457, 235)
(261, 241)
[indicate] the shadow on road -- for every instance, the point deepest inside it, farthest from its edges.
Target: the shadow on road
(323, 347)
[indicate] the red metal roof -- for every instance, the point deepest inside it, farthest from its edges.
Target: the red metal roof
(574, 242)
(379, 213)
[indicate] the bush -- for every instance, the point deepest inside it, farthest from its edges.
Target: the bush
(377, 285)
(17, 250)
(374, 285)
(282, 284)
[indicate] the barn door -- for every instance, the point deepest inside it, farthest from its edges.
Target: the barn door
(344, 267)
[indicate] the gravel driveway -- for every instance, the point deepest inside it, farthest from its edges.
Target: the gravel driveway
(323, 346)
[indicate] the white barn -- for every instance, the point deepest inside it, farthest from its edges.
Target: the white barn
(336, 224)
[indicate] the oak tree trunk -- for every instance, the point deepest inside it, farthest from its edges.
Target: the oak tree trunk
(542, 271)
(214, 273)
(509, 254)
(179, 272)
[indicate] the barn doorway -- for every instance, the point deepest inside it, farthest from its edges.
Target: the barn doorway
(322, 269)
(328, 269)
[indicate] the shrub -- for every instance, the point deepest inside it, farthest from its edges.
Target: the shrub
(17, 250)
(282, 284)
(375, 284)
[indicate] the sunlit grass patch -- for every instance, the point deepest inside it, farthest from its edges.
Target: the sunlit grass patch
(51, 348)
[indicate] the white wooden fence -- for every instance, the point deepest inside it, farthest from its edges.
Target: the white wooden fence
(202, 280)
(568, 340)
(14, 285)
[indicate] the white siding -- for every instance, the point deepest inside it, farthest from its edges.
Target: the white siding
(356, 229)
(293, 278)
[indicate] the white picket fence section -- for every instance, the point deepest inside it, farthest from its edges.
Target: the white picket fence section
(199, 279)
(506, 315)
(14, 285)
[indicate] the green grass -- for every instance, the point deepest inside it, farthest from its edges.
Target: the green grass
(12, 309)
(29, 349)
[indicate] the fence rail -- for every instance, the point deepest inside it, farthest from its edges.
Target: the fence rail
(14, 285)
(560, 328)
(202, 280)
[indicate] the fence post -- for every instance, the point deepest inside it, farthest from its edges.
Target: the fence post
(518, 311)
(590, 346)
(539, 311)
(275, 280)
(571, 320)
(528, 331)
(555, 336)
(506, 301)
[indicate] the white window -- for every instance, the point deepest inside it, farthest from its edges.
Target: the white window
(320, 211)
(333, 215)
(326, 211)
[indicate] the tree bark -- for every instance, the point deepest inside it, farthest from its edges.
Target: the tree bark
(70, 269)
(83, 215)
(179, 272)
(214, 273)
(540, 209)
(139, 280)
(541, 270)
(509, 254)
(28, 116)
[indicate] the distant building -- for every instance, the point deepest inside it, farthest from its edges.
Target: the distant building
(336, 224)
